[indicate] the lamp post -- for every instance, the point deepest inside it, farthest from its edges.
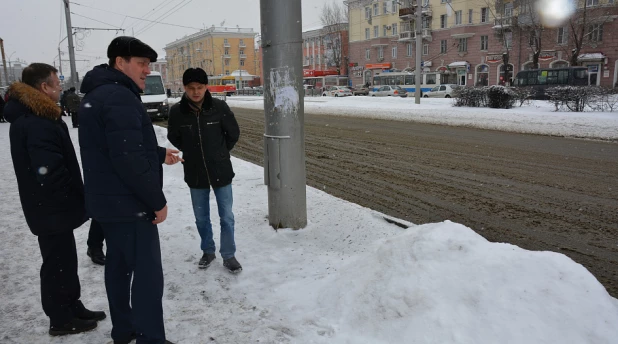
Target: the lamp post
(11, 69)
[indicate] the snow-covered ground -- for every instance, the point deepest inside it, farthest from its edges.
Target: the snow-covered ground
(348, 277)
(537, 118)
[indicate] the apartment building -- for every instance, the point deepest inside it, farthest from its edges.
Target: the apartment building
(479, 42)
(217, 50)
(326, 50)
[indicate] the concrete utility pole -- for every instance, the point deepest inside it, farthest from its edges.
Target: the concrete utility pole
(67, 12)
(6, 74)
(284, 141)
(60, 61)
(419, 51)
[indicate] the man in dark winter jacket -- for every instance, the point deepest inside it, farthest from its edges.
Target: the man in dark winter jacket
(2, 109)
(205, 130)
(123, 179)
(51, 192)
(72, 105)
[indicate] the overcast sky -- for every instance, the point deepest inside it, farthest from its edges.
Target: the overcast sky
(32, 29)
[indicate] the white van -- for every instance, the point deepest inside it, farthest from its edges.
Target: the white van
(154, 97)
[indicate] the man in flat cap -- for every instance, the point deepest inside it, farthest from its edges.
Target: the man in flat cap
(123, 180)
(205, 130)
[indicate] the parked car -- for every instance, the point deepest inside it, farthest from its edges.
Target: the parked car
(360, 90)
(388, 91)
(337, 91)
(441, 91)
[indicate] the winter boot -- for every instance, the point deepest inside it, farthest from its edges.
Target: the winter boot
(97, 255)
(131, 338)
(82, 313)
(233, 265)
(76, 325)
(206, 259)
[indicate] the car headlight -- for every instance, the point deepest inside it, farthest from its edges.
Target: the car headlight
(165, 102)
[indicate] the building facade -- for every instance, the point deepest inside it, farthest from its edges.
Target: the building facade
(14, 69)
(469, 42)
(217, 50)
(326, 49)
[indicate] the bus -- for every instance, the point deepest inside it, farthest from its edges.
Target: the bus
(222, 84)
(321, 82)
(542, 79)
(406, 80)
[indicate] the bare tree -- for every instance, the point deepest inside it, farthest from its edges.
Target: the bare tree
(586, 27)
(529, 23)
(334, 19)
(505, 26)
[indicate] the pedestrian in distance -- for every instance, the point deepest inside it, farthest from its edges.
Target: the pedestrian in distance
(51, 193)
(123, 179)
(205, 130)
(72, 101)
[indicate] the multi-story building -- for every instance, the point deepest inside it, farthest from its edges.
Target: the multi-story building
(14, 69)
(217, 50)
(326, 49)
(469, 42)
(161, 67)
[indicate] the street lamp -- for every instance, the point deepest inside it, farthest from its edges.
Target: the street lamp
(11, 69)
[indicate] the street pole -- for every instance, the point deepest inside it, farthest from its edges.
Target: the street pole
(67, 12)
(419, 51)
(60, 61)
(284, 142)
(6, 73)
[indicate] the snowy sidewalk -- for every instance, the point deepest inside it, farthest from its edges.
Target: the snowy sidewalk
(537, 118)
(349, 277)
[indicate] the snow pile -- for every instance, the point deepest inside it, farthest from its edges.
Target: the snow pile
(537, 118)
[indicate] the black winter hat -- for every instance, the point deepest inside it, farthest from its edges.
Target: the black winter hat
(130, 47)
(194, 75)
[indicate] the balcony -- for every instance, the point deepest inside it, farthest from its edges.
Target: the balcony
(242, 45)
(406, 13)
(227, 56)
(227, 45)
(425, 34)
(427, 11)
(243, 56)
(406, 36)
(505, 22)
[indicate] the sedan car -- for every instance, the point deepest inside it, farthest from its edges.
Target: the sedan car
(388, 91)
(360, 90)
(441, 91)
(337, 91)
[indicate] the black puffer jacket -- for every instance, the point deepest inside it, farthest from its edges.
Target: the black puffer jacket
(205, 139)
(48, 174)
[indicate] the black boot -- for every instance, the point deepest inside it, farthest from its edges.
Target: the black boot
(82, 313)
(97, 255)
(232, 265)
(132, 337)
(206, 259)
(74, 326)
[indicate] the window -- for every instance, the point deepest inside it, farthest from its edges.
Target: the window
(367, 33)
(508, 10)
(484, 42)
(458, 17)
(563, 35)
(430, 79)
(592, 2)
(384, 30)
(443, 21)
(242, 42)
(484, 15)
(385, 7)
(242, 51)
(376, 9)
(409, 49)
(227, 51)
(508, 39)
(376, 31)
(367, 54)
(425, 49)
(242, 62)
(394, 52)
(482, 75)
(227, 62)
(394, 6)
(470, 16)
(394, 28)
(227, 72)
(595, 32)
(381, 52)
(225, 41)
(367, 12)
(443, 46)
(463, 45)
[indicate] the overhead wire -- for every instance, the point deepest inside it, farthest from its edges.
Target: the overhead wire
(167, 6)
(148, 27)
(157, 8)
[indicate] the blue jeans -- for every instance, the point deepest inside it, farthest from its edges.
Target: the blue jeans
(201, 208)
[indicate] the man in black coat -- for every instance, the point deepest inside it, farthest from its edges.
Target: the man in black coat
(123, 180)
(72, 105)
(205, 130)
(51, 193)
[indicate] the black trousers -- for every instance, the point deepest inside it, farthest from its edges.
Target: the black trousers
(60, 288)
(74, 119)
(134, 281)
(95, 235)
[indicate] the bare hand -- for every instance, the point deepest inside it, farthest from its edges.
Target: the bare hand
(170, 156)
(160, 215)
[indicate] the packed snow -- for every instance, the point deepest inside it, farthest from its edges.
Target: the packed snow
(539, 117)
(348, 277)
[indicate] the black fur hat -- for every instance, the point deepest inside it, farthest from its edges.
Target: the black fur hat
(194, 75)
(130, 47)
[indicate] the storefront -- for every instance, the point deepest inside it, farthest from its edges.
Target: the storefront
(460, 69)
(595, 63)
(372, 69)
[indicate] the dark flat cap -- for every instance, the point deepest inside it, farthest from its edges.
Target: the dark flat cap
(194, 75)
(130, 47)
